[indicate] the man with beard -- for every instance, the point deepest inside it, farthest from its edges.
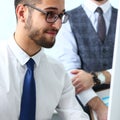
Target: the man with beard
(33, 85)
(86, 55)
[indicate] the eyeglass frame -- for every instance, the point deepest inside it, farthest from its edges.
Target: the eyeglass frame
(56, 16)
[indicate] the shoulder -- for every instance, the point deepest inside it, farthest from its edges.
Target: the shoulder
(77, 9)
(114, 10)
(3, 46)
(52, 62)
(4, 53)
(55, 68)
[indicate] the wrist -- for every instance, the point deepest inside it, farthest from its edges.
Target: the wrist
(101, 77)
(96, 104)
(98, 78)
(95, 79)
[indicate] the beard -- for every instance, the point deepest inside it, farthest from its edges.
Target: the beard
(41, 40)
(38, 35)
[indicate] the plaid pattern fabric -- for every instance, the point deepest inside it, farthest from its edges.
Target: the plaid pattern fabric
(94, 55)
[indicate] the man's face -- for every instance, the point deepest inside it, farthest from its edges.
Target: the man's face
(39, 30)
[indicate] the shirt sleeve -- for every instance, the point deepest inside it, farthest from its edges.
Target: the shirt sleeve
(69, 108)
(86, 95)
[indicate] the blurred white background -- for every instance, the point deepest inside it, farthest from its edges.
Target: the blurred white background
(8, 20)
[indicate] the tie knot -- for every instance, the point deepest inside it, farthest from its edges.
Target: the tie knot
(99, 10)
(30, 64)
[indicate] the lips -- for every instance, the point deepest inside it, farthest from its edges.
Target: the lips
(52, 32)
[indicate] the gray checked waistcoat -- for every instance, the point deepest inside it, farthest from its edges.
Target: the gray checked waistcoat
(94, 55)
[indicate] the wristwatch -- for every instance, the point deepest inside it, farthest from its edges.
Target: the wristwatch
(95, 79)
(101, 77)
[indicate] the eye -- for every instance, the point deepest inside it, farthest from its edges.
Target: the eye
(51, 14)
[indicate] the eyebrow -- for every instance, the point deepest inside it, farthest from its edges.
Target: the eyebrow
(53, 8)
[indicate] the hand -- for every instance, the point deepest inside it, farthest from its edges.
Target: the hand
(81, 80)
(99, 107)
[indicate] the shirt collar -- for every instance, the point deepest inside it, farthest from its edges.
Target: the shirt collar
(91, 6)
(21, 55)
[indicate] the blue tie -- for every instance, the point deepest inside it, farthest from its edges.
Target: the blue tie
(28, 101)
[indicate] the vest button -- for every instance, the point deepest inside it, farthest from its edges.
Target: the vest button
(104, 50)
(104, 65)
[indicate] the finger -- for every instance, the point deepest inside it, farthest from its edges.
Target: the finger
(76, 81)
(77, 76)
(79, 90)
(75, 71)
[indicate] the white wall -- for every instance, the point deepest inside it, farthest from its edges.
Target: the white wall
(8, 20)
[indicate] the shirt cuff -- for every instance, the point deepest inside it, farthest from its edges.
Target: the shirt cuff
(110, 71)
(86, 96)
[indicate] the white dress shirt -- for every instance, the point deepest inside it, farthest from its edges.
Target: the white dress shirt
(65, 48)
(54, 89)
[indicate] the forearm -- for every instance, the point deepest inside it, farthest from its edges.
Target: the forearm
(107, 76)
(99, 107)
(95, 103)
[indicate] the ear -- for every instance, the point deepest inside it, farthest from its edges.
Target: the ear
(21, 12)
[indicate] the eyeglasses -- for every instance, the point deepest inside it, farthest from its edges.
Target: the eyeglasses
(51, 17)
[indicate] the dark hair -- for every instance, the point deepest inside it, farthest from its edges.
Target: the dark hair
(16, 2)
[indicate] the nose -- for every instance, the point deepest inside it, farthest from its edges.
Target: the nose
(58, 23)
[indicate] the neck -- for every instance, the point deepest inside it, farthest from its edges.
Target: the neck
(27, 45)
(99, 2)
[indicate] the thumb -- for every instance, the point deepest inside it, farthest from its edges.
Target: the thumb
(74, 71)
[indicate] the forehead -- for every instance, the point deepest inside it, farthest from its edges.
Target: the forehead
(57, 4)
